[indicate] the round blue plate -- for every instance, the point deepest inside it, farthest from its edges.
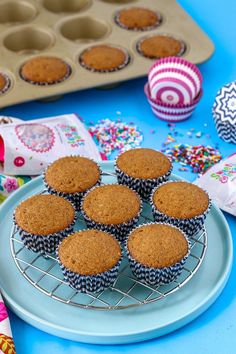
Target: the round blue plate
(115, 327)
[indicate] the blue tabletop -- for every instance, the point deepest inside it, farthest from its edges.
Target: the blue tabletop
(214, 331)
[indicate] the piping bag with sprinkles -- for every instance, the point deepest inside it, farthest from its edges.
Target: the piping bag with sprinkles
(220, 182)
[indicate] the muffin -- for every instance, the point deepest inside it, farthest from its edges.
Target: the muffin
(112, 208)
(157, 253)
(89, 260)
(104, 58)
(45, 70)
(43, 221)
(160, 46)
(182, 204)
(71, 177)
(138, 19)
(4, 83)
(142, 170)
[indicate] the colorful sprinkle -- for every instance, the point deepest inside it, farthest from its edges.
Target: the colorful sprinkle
(116, 136)
(198, 157)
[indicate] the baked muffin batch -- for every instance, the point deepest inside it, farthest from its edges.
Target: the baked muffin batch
(90, 259)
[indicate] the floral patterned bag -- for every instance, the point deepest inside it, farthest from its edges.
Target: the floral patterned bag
(6, 341)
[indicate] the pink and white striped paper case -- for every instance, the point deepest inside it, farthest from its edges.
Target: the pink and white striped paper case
(169, 112)
(174, 80)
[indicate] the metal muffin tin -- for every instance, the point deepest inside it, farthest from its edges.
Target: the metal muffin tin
(65, 28)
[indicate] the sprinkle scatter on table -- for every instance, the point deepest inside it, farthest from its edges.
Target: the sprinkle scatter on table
(198, 157)
(116, 136)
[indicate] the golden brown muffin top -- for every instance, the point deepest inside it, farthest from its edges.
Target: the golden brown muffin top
(44, 214)
(89, 252)
(181, 200)
(44, 70)
(111, 204)
(103, 57)
(160, 46)
(157, 245)
(3, 82)
(143, 163)
(72, 174)
(138, 18)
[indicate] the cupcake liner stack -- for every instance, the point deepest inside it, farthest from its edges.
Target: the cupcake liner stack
(224, 112)
(174, 88)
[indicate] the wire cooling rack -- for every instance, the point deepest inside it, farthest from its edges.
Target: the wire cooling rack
(44, 273)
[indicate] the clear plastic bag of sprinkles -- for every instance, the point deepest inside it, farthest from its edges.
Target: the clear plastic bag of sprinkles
(220, 182)
(26, 148)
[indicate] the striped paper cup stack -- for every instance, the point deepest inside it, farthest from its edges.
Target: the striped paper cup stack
(174, 88)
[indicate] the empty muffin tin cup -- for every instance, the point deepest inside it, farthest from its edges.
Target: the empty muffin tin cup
(16, 11)
(66, 6)
(84, 29)
(28, 40)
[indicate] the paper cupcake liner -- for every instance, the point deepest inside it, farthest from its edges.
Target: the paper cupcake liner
(179, 65)
(143, 187)
(90, 283)
(189, 226)
(7, 85)
(182, 43)
(43, 243)
(165, 105)
(147, 28)
(157, 276)
(173, 90)
(171, 113)
(120, 231)
(176, 73)
(225, 129)
(74, 198)
(69, 71)
(120, 67)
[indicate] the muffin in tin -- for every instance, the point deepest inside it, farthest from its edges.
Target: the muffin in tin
(113, 208)
(157, 253)
(182, 204)
(142, 169)
(104, 58)
(160, 46)
(43, 221)
(90, 260)
(5, 83)
(138, 19)
(71, 177)
(45, 70)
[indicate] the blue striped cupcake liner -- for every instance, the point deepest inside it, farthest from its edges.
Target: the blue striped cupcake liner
(143, 187)
(157, 276)
(89, 283)
(189, 226)
(120, 231)
(74, 198)
(43, 243)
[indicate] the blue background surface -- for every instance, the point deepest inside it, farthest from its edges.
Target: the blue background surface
(214, 331)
